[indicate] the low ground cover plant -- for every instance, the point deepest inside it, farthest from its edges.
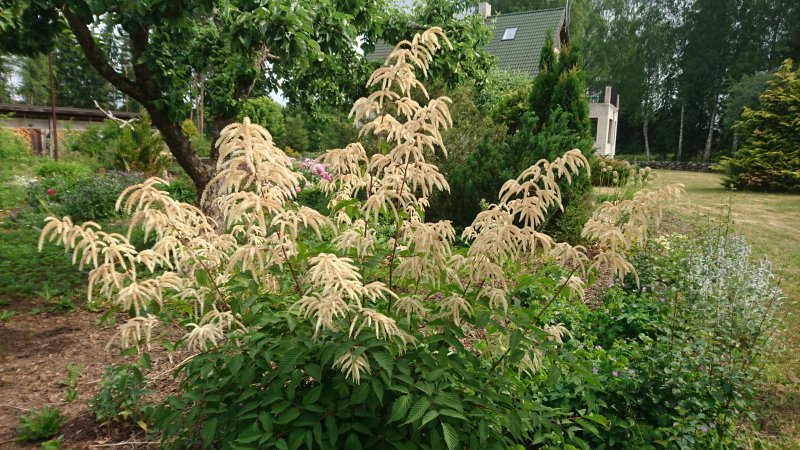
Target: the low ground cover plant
(368, 327)
(40, 424)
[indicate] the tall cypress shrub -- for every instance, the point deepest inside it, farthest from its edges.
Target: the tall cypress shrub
(770, 158)
(554, 121)
(558, 121)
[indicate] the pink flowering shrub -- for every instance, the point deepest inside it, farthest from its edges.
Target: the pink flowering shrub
(313, 170)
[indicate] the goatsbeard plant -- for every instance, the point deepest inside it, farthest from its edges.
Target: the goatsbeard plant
(372, 293)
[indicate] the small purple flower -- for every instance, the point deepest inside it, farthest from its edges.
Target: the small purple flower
(661, 299)
(704, 428)
(712, 425)
(615, 373)
(631, 371)
(595, 370)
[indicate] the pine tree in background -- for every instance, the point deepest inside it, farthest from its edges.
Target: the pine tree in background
(555, 121)
(295, 134)
(6, 68)
(770, 158)
(544, 85)
(35, 87)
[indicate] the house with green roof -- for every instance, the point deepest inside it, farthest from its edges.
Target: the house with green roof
(517, 41)
(518, 38)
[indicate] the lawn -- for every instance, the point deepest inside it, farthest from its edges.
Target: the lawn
(770, 223)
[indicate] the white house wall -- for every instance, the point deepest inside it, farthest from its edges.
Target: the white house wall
(607, 115)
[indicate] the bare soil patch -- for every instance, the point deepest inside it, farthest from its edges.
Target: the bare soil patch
(34, 352)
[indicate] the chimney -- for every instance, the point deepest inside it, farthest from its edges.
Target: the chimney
(484, 10)
(607, 96)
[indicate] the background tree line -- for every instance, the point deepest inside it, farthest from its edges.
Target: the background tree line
(684, 68)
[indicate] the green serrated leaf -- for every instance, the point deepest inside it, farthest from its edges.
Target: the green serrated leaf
(384, 360)
(313, 395)
(430, 415)
(450, 436)
(360, 393)
(452, 413)
(400, 408)
(417, 411)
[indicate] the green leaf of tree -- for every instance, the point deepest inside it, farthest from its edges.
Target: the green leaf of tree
(450, 436)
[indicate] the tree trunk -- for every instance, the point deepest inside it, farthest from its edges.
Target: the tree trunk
(181, 147)
(646, 138)
(201, 114)
(735, 143)
(145, 91)
(710, 137)
(680, 134)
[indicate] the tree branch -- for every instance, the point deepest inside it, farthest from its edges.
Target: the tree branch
(140, 40)
(97, 59)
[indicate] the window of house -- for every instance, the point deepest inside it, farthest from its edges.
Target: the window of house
(509, 34)
(594, 127)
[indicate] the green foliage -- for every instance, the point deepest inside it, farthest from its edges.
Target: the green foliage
(498, 84)
(62, 169)
(71, 382)
(278, 393)
(40, 425)
(265, 112)
(467, 61)
(534, 121)
(12, 147)
(139, 148)
(5, 316)
(182, 189)
(329, 129)
(94, 141)
(122, 392)
(744, 94)
(295, 135)
(52, 444)
(35, 83)
(314, 198)
(462, 140)
(82, 197)
(479, 178)
(201, 145)
(511, 105)
(24, 272)
(770, 158)
(672, 362)
(189, 129)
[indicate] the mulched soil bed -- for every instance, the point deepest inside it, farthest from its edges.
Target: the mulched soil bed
(34, 352)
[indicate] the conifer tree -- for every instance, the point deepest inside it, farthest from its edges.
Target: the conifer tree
(770, 158)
